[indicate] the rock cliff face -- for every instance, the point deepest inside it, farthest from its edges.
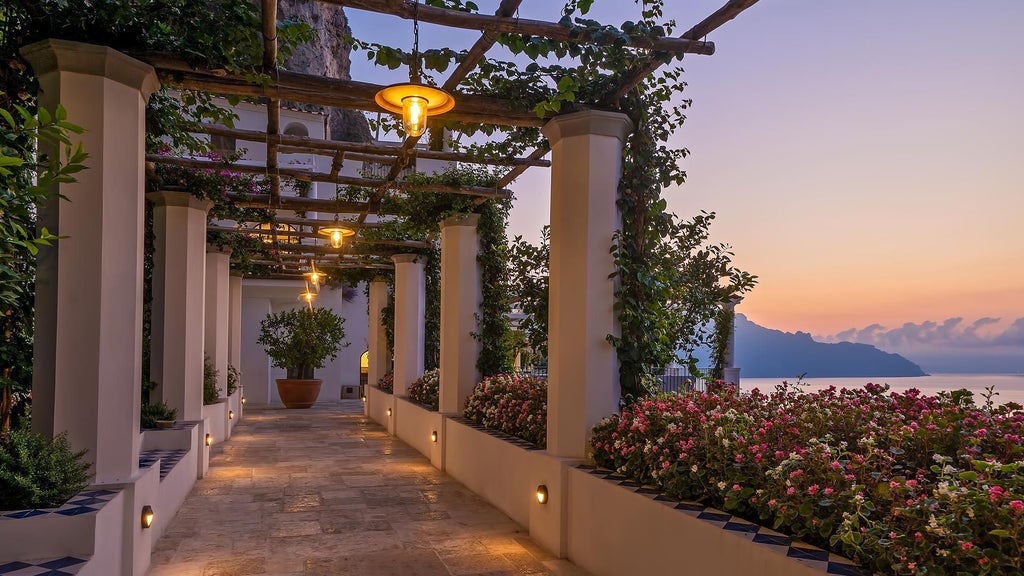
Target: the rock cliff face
(328, 56)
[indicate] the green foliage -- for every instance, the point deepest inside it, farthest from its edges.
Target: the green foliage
(234, 377)
(301, 340)
(529, 279)
(496, 355)
(426, 389)
(210, 391)
(153, 413)
(36, 153)
(37, 472)
(724, 320)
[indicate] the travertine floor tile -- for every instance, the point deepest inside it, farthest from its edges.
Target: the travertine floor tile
(327, 492)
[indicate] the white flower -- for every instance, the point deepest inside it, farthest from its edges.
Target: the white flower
(693, 468)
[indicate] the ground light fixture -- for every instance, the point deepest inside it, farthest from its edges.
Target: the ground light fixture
(147, 516)
(209, 439)
(433, 436)
(243, 400)
(389, 411)
(414, 100)
(542, 494)
(231, 414)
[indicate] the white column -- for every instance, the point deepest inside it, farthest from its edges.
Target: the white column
(88, 325)
(235, 320)
(215, 340)
(377, 338)
(410, 315)
(179, 224)
(255, 363)
(583, 374)
(460, 310)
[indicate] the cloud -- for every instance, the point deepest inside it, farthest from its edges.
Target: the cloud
(983, 332)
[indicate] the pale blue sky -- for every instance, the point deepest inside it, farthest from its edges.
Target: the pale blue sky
(863, 155)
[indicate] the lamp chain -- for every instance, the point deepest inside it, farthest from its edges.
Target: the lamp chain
(414, 70)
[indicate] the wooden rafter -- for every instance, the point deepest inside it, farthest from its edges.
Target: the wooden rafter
(730, 10)
(319, 90)
(370, 152)
(301, 234)
(498, 24)
(308, 176)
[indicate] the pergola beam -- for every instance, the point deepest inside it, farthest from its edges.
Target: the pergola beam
(408, 9)
(303, 144)
(301, 234)
(730, 10)
(324, 91)
(308, 176)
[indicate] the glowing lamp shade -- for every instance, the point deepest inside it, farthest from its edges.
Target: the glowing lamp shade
(147, 516)
(336, 234)
(542, 494)
(231, 414)
(415, 102)
(307, 296)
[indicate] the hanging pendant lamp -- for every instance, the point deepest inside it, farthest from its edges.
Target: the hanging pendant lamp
(414, 100)
(336, 233)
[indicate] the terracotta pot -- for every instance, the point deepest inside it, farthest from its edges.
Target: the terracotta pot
(296, 393)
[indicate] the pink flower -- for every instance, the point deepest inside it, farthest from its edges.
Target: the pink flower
(1017, 506)
(966, 546)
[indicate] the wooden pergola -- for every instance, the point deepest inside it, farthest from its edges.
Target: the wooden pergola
(355, 95)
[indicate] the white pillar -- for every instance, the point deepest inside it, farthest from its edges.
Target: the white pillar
(583, 374)
(377, 338)
(235, 320)
(215, 340)
(410, 315)
(255, 362)
(179, 273)
(88, 325)
(460, 310)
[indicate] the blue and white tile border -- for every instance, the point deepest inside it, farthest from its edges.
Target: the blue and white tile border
(65, 566)
(87, 502)
(816, 557)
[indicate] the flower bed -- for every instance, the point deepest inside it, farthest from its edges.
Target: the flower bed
(425, 389)
(387, 383)
(513, 404)
(901, 483)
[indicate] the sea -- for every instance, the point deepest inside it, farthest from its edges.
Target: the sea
(1008, 387)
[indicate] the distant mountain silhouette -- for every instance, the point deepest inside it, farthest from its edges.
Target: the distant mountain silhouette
(765, 353)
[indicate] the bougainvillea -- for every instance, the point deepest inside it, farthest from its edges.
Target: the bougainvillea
(426, 388)
(513, 404)
(387, 383)
(901, 482)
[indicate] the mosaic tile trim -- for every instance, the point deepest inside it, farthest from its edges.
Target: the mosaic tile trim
(60, 567)
(497, 434)
(84, 503)
(168, 459)
(826, 561)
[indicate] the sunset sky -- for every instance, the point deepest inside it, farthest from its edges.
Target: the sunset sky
(864, 157)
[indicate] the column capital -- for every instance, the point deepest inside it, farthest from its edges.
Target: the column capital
(464, 220)
(55, 55)
(181, 199)
(236, 273)
(214, 249)
(588, 123)
(405, 258)
(380, 279)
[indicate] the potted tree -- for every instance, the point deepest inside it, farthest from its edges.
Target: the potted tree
(300, 341)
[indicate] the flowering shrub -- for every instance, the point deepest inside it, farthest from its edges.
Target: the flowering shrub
(514, 404)
(425, 389)
(387, 383)
(901, 482)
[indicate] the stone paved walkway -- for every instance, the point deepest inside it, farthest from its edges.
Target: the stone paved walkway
(325, 492)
